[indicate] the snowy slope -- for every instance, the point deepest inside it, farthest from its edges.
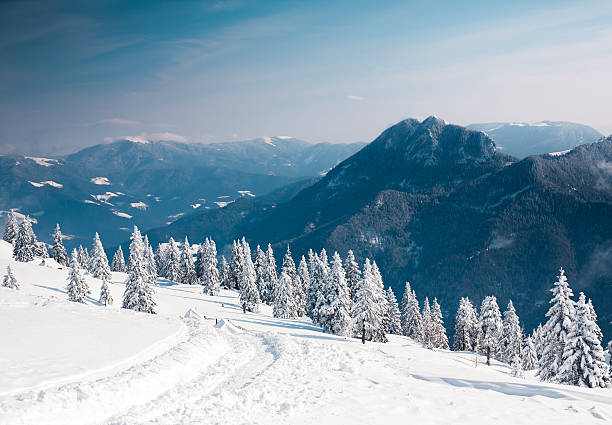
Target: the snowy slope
(82, 364)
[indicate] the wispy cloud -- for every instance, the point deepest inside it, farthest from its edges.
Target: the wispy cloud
(118, 122)
(354, 97)
(149, 137)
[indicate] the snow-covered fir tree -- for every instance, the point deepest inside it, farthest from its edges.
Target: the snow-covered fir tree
(188, 274)
(426, 327)
(583, 358)
(304, 281)
(529, 355)
(224, 273)
(209, 273)
(353, 274)
(150, 263)
(368, 312)
(77, 287)
(299, 296)
(466, 327)
(83, 258)
(41, 249)
(98, 263)
(334, 310)
(412, 321)
(313, 293)
(438, 332)
(593, 317)
(24, 246)
(260, 265)
(249, 295)
(160, 259)
(9, 280)
(138, 293)
(105, 294)
(538, 340)
(490, 327)
(512, 335)
(561, 317)
(236, 264)
(173, 262)
(118, 264)
(284, 306)
(11, 228)
(517, 366)
(394, 323)
(270, 278)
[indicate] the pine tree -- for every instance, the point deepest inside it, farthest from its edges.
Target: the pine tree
(11, 228)
(173, 262)
(304, 281)
(249, 296)
(42, 250)
(260, 264)
(98, 263)
(105, 295)
(353, 274)
(150, 263)
(224, 273)
(77, 287)
(138, 293)
(512, 336)
(466, 327)
(555, 332)
(187, 267)
(119, 261)
(9, 279)
(584, 363)
(236, 264)
(161, 259)
(83, 258)
(312, 295)
(23, 248)
(529, 355)
(298, 295)
(538, 340)
(438, 332)
(393, 313)
(335, 309)
(427, 326)
(490, 327)
(284, 306)
(209, 278)
(270, 278)
(411, 319)
(368, 310)
(517, 366)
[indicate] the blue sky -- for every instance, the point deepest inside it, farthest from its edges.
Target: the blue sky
(73, 74)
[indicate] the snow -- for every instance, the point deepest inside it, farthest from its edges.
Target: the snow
(104, 197)
(100, 180)
(196, 205)
(139, 205)
(46, 183)
(268, 141)
(86, 364)
(89, 201)
(45, 162)
(246, 193)
(122, 214)
(285, 137)
(221, 204)
(560, 153)
(175, 216)
(137, 139)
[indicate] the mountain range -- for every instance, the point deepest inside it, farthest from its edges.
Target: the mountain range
(440, 206)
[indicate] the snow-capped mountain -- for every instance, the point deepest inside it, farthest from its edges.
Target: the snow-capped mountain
(522, 139)
(151, 184)
(440, 206)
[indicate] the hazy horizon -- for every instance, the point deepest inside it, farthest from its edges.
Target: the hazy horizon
(75, 75)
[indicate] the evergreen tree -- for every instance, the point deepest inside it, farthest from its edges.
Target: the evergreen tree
(11, 228)
(150, 263)
(304, 281)
(393, 314)
(561, 316)
(312, 295)
(83, 258)
(411, 319)
(42, 250)
(512, 336)
(368, 311)
(24, 246)
(260, 264)
(209, 273)
(236, 265)
(161, 259)
(224, 271)
(438, 332)
(138, 293)
(335, 309)
(517, 366)
(105, 295)
(538, 340)
(119, 261)
(427, 325)
(187, 267)
(466, 327)
(284, 305)
(270, 278)
(249, 296)
(298, 295)
(584, 363)
(353, 274)
(98, 263)
(529, 355)
(173, 262)
(77, 287)
(490, 327)
(9, 280)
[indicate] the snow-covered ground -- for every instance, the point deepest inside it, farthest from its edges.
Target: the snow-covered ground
(202, 361)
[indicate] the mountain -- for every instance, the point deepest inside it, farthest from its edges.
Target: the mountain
(523, 139)
(440, 206)
(150, 184)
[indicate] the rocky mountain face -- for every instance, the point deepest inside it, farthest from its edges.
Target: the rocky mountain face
(438, 205)
(523, 139)
(109, 188)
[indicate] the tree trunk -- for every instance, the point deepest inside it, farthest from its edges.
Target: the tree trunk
(243, 308)
(488, 356)
(363, 331)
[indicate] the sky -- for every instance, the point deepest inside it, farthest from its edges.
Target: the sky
(75, 74)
